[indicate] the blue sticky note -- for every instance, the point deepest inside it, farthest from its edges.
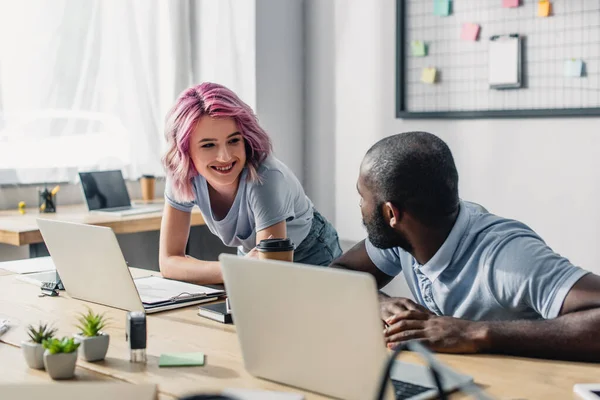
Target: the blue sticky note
(573, 68)
(441, 7)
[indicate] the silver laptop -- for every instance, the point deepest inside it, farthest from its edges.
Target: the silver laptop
(318, 329)
(105, 191)
(79, 390)
(92, 268)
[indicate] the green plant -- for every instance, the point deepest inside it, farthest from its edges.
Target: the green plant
(41, 333)
(90, 324)
(64, 345)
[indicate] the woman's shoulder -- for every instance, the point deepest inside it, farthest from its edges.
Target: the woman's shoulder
(272, 166)
(273, 175)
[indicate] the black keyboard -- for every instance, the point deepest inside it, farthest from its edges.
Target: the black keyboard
(405, 390)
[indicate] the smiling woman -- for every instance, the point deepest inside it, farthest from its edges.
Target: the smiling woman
(219, 159)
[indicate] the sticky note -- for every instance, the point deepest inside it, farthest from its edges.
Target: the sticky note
(469, 31)
(573, 68)
(543, 8)
(428, 75)
(441, 7)
(418, 48)
(181, 360)
(510, 3)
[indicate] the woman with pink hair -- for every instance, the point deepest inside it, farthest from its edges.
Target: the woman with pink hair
(220, 159)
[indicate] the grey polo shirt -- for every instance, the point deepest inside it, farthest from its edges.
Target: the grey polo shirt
(489, 268)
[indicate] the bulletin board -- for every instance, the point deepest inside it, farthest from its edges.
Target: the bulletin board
(570, 33)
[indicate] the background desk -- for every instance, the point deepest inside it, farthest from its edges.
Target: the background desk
(21, 230)
(137, 234)
(183, 330)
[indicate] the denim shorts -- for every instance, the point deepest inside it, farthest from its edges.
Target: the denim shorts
(321, 246)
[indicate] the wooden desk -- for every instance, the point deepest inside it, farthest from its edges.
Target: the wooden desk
(13, 369)
(21, 230)
(172, 331)
(182, 330)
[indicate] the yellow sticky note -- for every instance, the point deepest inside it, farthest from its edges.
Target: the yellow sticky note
(428, 75)
(543, 8)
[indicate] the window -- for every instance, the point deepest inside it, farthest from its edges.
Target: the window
(86, 85)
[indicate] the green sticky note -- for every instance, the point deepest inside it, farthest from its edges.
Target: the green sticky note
(181, 360)
(441, 7)
(418, 48)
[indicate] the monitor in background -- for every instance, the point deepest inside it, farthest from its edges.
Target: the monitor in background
(104, 189)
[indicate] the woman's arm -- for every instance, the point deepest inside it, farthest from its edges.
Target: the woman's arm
(277, 231)
(174, 263)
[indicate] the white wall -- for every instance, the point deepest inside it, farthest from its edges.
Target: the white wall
(319, 176)
(226, 51)
(544, 172)
(256, 48)
(280, 78)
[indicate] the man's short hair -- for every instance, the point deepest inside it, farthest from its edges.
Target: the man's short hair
(415, 171)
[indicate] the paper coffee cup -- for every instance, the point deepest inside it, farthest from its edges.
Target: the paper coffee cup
(147, 185)
(276, 249)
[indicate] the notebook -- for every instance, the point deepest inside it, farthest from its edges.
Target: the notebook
(155, 290)
(216, 311)
(181, 360)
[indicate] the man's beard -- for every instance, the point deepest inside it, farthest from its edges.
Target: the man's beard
(382, 235)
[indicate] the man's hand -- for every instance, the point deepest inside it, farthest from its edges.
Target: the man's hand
(443, 334)
(391, 306)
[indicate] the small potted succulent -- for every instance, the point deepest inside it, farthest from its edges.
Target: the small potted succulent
(94, 342)
(32, 348)
(60, 357)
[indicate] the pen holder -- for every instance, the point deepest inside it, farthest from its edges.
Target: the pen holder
(46, 201)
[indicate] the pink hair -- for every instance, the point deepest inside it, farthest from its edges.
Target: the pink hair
(215, 101)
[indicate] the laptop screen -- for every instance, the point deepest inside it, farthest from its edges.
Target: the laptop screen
(104, 189)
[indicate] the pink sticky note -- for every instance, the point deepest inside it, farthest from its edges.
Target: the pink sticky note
(510, 3)
(469, 31)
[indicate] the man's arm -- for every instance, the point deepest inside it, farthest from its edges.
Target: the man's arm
(572, 336)
(357, 259)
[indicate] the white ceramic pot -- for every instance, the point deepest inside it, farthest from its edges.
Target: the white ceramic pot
(60, 365)
(93, 348)
(34, 354)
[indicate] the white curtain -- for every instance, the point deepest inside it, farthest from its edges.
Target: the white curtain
(86, 84)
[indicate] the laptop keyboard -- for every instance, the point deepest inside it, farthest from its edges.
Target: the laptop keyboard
(114, 209)
(405, 390)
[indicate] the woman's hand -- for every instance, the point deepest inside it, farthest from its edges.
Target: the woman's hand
(252, 253)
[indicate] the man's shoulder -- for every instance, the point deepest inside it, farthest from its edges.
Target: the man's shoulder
(489, 235)
(494, 227)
